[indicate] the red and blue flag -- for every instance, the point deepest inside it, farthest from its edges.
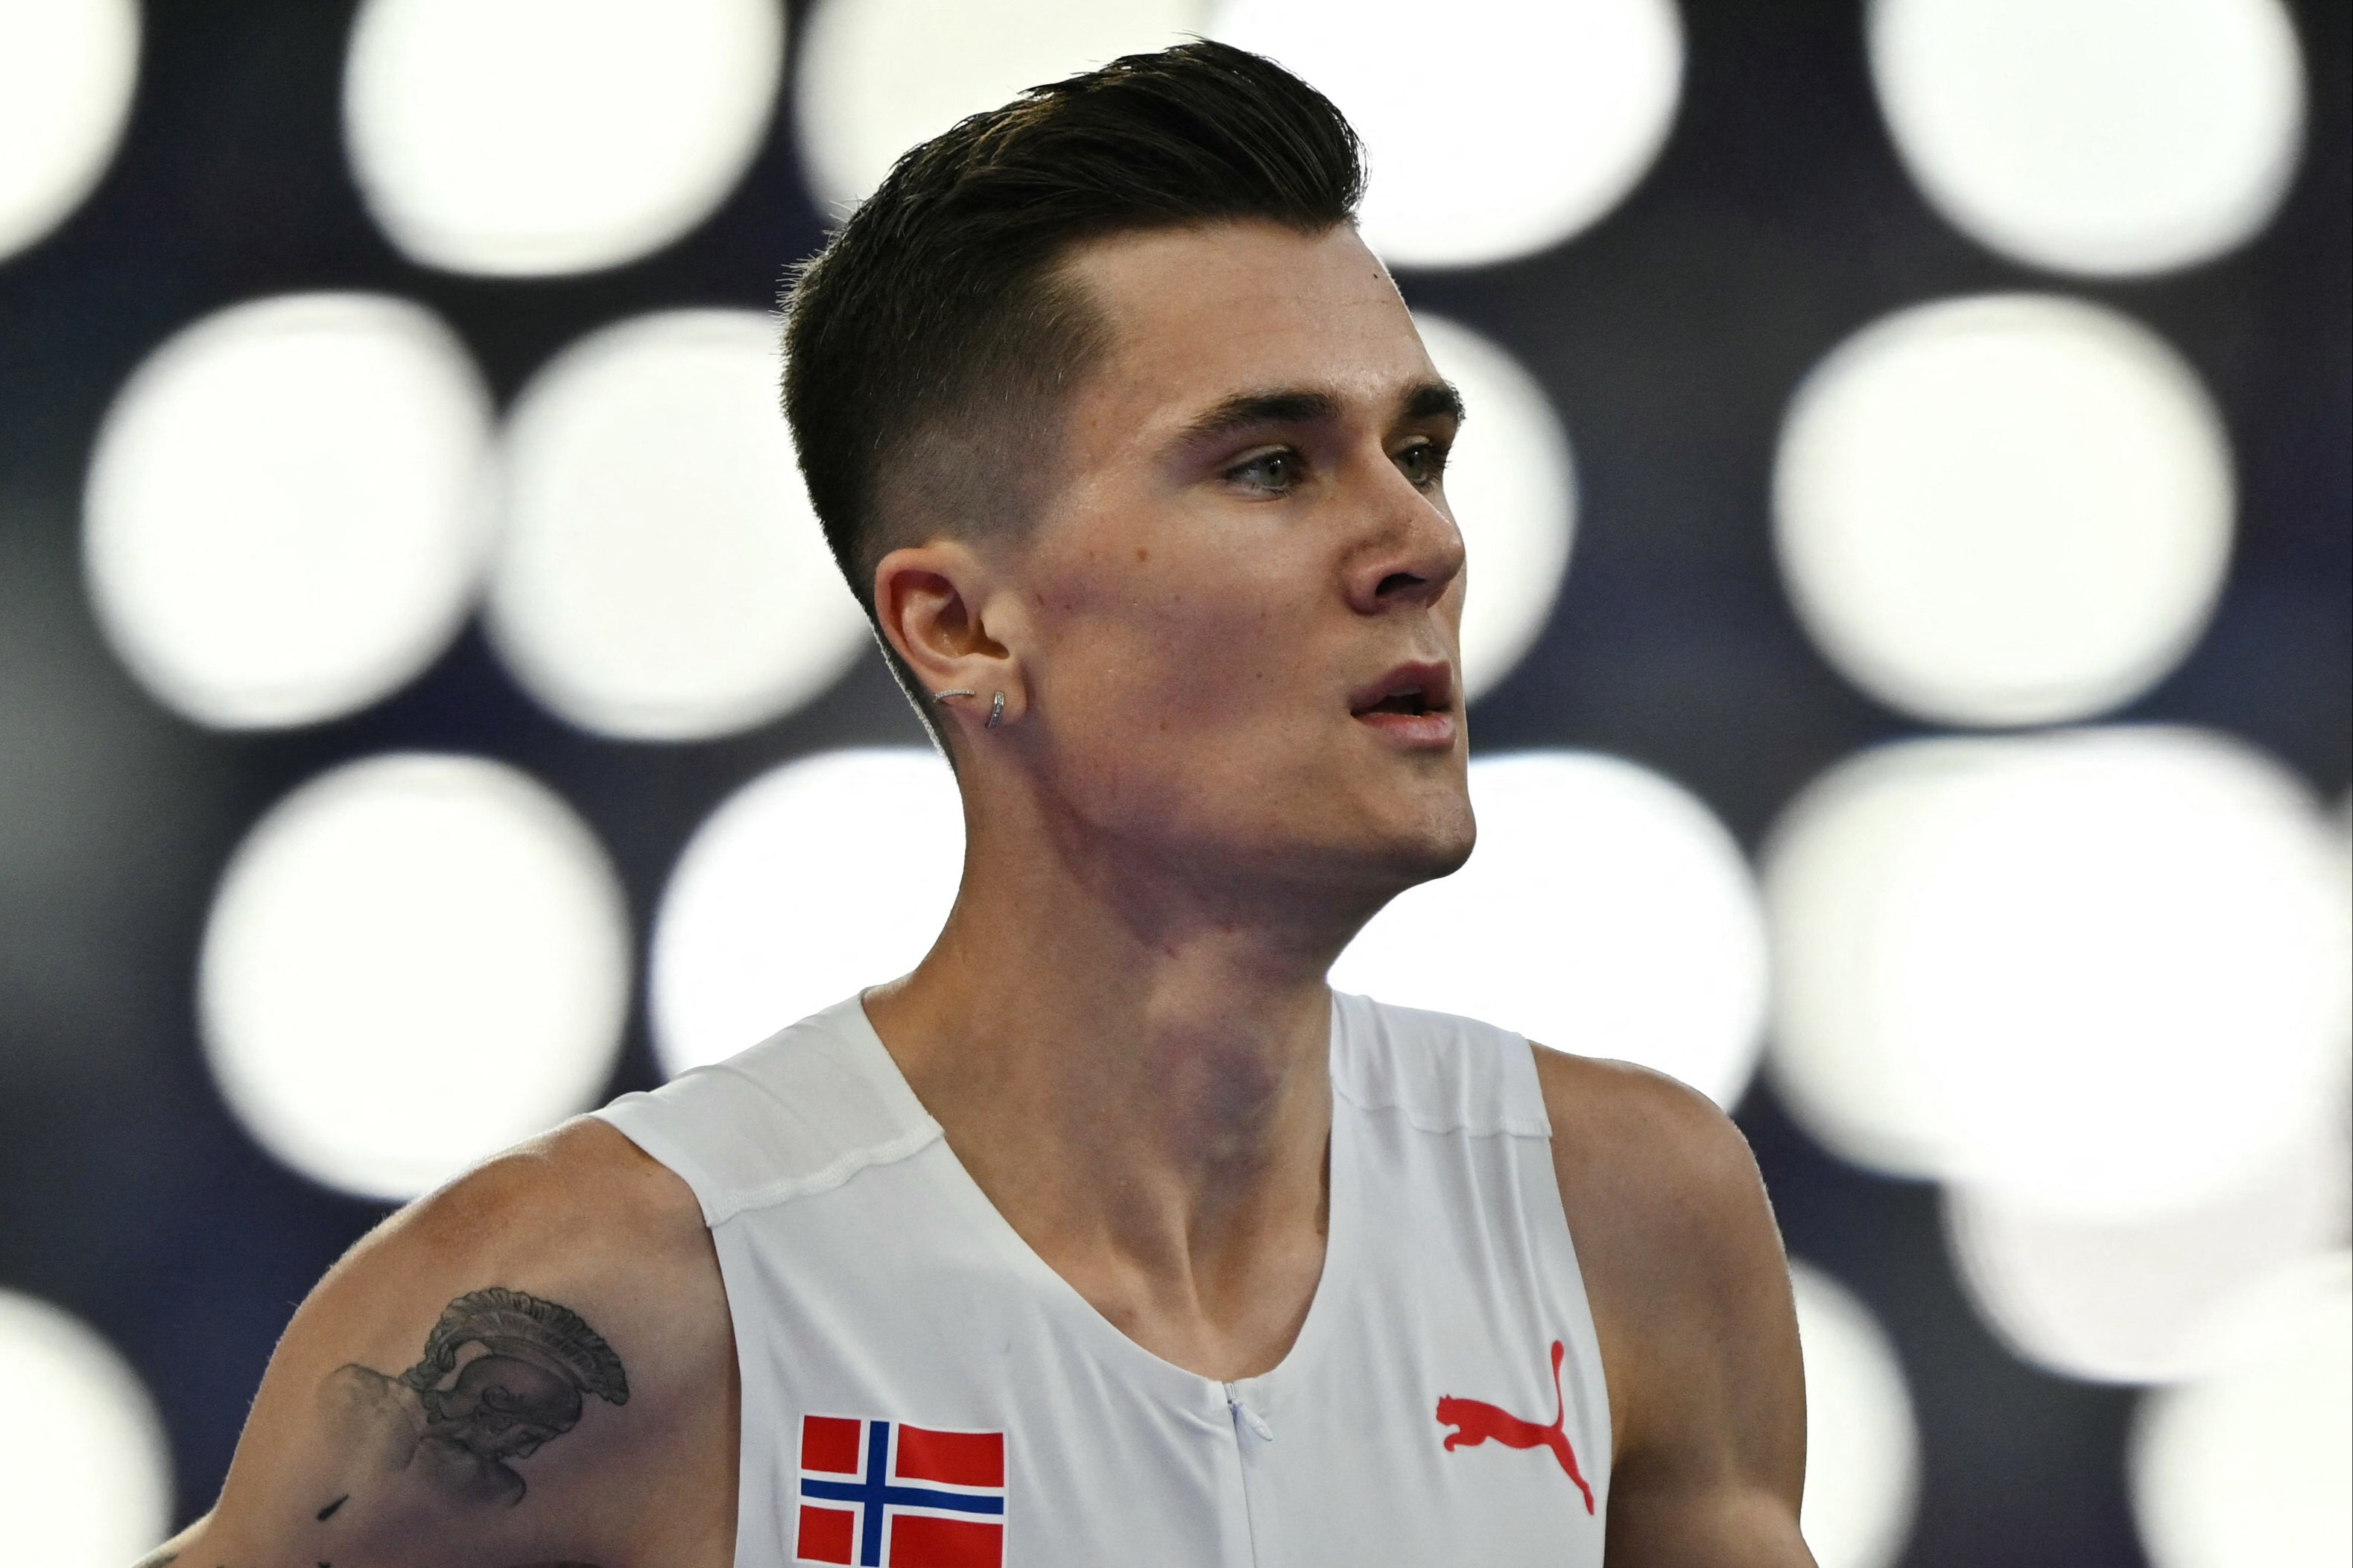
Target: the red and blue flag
(885, 1494)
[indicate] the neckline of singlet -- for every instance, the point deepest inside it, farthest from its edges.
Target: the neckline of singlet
(1179, 1385)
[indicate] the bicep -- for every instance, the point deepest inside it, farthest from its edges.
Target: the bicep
(468, 1386)
(1737, 1528)
(1714, 1470)
(1720, 1408)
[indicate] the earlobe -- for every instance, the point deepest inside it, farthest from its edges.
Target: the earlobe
(995, 704)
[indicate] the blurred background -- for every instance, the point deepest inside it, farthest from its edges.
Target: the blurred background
(1910, 504)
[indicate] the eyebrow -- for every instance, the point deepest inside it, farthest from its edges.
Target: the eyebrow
(1424, 400)
(1434, 400)
(1245, 409)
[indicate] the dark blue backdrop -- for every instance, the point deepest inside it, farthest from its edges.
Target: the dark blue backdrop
(1669, 336)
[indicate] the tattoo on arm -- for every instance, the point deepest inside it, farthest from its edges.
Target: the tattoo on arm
(502, 1375)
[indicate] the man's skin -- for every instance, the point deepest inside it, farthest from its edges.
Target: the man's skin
(1181, 820)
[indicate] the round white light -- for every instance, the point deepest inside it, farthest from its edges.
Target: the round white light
(1862, 1444)
(2097, 970)
(284, 519)
(2098, 136)
(85, 1476)
(879, 76)
(528, 137)
(1502, 129)
(1513, 489)
(2252, 1466)
(412, 962)
(1605, 912)
(660, 575)
(2012, 510)
(2125, 1300)
(824, 875)
(67, 69)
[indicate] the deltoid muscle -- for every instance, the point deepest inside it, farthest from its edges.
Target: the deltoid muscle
(510, 1323)
(455, 1420)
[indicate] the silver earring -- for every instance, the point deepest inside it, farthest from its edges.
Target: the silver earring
(996, 711)
(960, 691)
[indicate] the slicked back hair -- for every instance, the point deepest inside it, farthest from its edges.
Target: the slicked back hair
(928, 345)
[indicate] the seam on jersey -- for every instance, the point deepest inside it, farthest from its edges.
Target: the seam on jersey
(834, 1174)
(1420, 1123)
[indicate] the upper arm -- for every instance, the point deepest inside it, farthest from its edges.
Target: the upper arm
(1684, 1265)
(502, 1373)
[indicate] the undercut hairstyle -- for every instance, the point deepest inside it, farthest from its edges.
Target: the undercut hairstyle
(929, 345)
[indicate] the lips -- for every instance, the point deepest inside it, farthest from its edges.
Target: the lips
(1413, 704)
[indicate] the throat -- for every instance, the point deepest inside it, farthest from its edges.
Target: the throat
(1225, 1303)
(1179, 1186)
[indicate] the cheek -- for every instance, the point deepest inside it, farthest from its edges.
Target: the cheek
(1167, 654)
(1167, 685)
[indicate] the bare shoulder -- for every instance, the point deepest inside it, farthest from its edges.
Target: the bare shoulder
(580, 1190)
(505, 1372)
(1637, 1148)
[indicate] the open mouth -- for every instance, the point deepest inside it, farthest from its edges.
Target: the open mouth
(1412, 701)
(1401, 702)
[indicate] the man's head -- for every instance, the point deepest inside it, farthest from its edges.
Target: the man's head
(1105, 405)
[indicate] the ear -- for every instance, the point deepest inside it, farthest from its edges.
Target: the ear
(928, 600)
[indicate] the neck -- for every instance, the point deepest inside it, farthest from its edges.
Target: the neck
(1131, 1060)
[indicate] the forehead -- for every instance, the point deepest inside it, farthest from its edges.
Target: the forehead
(1202, 313)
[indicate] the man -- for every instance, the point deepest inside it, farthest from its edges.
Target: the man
(1109, 1234)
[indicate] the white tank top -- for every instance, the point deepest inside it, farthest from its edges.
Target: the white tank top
(920, 1391)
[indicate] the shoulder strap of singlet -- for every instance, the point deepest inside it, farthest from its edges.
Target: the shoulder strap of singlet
(797, 1114)
(1442, 1073)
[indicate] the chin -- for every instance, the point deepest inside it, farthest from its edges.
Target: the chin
(1437, 855)
(1432, 842)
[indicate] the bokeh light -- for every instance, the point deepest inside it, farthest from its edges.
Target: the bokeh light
(816, 879)
(85, 1476)
(529, 137)
(2106, 137)
(1513, 488)
(2126, 1301)
(1605, 912)
(2100, 971)
(661, 574)
(2251, 1466)
(411, 962)
(1863, 1441)
(1500, 130)
(2007, 510)
(67, 69)
(876, 77)
(283, 517)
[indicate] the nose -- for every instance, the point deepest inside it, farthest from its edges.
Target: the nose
(1410, 552)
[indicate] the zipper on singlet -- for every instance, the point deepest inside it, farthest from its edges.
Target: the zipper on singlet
(1248, 1424)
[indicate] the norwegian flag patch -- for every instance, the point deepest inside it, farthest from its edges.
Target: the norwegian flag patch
(885, 1494)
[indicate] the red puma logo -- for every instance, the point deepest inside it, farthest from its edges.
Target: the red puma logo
(1475, 1421)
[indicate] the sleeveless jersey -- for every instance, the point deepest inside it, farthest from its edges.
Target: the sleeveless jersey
(919, 1390)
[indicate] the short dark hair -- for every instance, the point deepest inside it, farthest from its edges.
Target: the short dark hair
(935, 317)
